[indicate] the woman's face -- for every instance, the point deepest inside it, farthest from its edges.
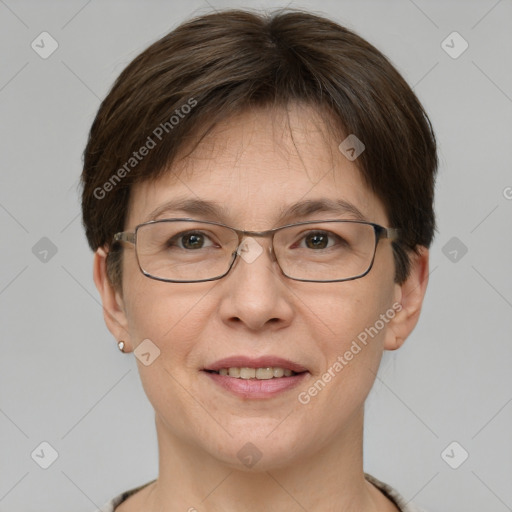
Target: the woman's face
(254, 172)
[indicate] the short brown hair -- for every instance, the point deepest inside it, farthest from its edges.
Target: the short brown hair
(220, 64)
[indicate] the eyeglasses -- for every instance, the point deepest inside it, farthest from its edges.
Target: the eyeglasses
(191, 251)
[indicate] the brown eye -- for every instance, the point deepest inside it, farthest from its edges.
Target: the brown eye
(190, 240)
(317, 240)
(193, 241)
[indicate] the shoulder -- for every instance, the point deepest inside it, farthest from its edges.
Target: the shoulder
(112, 504)
(403, 504)
(390, 492)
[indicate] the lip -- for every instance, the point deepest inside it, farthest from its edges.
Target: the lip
(255, 362)
(256, 388)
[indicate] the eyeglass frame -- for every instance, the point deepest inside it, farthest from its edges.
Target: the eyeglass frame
(381, 233)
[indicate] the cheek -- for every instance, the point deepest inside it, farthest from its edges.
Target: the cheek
(346, 311)
(351, 319)
(172, 315)
(154, 309)
(351, 353)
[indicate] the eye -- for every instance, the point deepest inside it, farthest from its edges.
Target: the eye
(320, 239)
(190, 240)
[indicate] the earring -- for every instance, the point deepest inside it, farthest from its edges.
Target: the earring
(120, 345)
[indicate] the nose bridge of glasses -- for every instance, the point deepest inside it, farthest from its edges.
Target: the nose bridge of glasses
(255, 242)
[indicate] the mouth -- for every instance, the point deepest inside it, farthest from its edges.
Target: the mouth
(256, 378)
(262, 373)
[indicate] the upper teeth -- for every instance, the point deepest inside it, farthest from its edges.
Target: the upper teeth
(256, 373)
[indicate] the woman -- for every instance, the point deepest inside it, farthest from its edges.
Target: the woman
(258, 191)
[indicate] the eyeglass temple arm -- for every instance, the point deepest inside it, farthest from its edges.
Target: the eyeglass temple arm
(125, 236)
(391, 233)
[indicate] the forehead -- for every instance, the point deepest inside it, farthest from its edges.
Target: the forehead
(252, 169)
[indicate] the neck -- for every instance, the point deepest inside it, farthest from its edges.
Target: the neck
(331, 480)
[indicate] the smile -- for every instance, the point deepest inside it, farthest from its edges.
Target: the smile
(255, 383)
(265, 373)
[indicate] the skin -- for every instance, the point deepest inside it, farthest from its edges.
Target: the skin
(312, 453)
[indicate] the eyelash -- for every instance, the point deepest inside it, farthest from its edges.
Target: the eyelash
(178, 237)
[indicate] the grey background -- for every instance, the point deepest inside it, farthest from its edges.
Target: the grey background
(62, 379)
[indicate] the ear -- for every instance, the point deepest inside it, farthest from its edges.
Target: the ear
(112, 300)
(410, 295)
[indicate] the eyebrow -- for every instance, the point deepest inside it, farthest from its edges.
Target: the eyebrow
(299, 210)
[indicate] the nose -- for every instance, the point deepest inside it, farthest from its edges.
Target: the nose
(255, 293)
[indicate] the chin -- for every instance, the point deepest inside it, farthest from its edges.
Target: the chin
(258, 452)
